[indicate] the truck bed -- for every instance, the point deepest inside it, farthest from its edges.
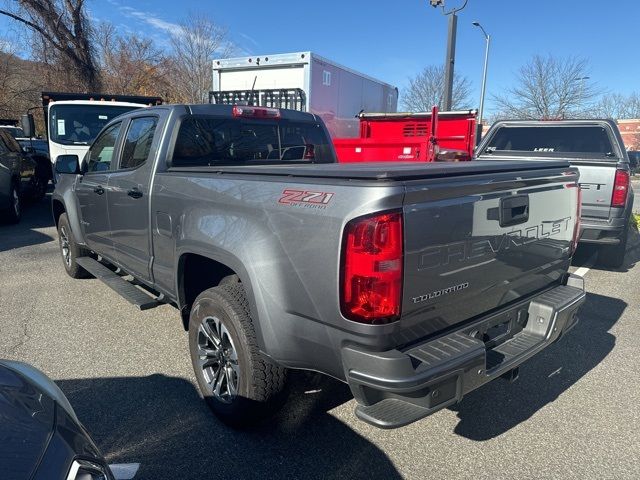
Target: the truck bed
(382, 170)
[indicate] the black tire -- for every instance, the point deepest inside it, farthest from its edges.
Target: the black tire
(13, 209)
(259, 384)
(613, 256)
(70, 250)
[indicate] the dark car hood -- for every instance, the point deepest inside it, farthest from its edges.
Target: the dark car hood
(27, 421)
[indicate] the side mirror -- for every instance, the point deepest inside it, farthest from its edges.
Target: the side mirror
(67, 164)
(28, 125)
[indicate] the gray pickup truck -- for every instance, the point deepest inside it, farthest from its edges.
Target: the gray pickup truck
(413, 283)
(595, 147)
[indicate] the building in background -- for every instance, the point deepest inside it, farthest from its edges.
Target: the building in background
(630, 131)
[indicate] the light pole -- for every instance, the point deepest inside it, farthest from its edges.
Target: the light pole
(451, 51)
(487, 38)
(581, 80)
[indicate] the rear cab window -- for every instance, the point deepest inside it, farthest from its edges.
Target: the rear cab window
(227, 141)
(566, 140)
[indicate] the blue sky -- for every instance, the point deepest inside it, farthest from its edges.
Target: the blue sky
(394, 40)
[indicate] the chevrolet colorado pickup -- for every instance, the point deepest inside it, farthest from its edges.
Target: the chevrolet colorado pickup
(415, 284)
(595, 147)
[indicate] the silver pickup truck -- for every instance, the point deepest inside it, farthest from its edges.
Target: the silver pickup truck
(595, 147)
(413, 283)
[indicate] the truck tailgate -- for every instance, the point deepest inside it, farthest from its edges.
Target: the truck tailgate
(596, 183)
(476, 243)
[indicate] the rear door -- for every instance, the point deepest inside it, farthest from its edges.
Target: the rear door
(91, 190)
(474, 244)
(128, 195)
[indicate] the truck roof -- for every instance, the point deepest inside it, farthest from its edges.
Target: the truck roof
(221, 109)
(48, 97)
(283, 59)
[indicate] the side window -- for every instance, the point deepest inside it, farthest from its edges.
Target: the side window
(137, 144)
(99, 155)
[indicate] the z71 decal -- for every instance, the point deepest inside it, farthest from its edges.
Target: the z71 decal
(305, 198)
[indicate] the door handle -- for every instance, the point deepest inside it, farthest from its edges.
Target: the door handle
(134, 193)
(99, 190)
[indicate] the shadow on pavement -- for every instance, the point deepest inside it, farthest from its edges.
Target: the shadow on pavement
(499, 406)
(632, 257)
(34, 216)
(162, 423)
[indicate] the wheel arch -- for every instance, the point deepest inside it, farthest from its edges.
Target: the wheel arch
(197, 271)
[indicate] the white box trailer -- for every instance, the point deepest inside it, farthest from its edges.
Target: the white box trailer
(303, 81)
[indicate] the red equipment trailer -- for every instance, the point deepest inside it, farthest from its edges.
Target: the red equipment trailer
(411, 137)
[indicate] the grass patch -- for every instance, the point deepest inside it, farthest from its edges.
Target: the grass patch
(635, 220)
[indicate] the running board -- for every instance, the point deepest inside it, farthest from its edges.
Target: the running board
(125, 289)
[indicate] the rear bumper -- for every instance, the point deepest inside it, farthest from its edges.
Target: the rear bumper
(603, 232)
(395, 388)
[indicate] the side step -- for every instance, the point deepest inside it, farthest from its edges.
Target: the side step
(391, 413)
(125, 289)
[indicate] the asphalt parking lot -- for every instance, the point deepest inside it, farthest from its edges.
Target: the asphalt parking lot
(573, 414)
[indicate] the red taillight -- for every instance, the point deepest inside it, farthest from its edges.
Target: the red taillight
(620, 189)
(255, 112)
(371, 287)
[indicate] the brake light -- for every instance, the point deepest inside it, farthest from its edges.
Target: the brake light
(255, 112)
(620, 189)
(371, 284)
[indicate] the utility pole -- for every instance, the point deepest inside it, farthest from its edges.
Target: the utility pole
(450, 59)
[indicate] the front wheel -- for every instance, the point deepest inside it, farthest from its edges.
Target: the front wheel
(70, 250)
(238, 383)
(14, 204)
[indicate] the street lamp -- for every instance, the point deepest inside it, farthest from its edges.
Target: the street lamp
(487, 38)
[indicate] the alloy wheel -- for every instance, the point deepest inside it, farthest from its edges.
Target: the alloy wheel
(218, 359)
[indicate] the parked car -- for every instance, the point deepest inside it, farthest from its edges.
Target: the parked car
(595, 147)
(413, 283)
(20, 178)
(41, 436)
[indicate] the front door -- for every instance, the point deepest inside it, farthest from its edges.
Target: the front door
(128, 196)
(91, 190)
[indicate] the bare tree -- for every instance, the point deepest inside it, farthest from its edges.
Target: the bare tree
(63, 26)
(194, 45)
(618, 106)
(427, 89)
(548, 87)
(130, 64)
(18, 90)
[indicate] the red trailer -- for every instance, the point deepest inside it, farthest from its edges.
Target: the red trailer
(411, 137)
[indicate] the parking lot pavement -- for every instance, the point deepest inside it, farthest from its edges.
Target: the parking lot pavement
(573, 414)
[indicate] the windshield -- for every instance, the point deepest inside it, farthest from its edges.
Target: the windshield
(80, 124)
(15, 132)
(207, 141)
(569, 140)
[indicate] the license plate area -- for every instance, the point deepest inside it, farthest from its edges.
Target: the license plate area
(500, 328)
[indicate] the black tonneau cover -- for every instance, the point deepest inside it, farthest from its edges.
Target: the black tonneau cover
(382, 170)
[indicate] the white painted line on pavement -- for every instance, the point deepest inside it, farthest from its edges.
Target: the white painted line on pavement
(582, 271)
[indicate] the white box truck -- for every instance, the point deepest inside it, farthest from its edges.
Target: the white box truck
(303, 81)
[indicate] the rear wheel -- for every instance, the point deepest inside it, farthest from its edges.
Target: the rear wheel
(613, 256)
(70, 250)
(238, 383)
(14, 204)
